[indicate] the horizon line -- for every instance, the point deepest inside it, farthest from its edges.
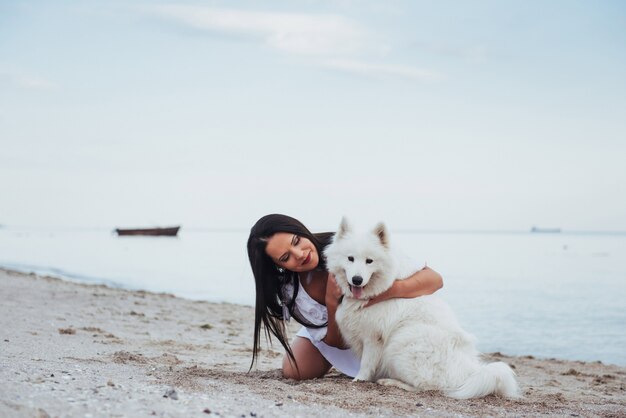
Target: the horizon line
(400, 230)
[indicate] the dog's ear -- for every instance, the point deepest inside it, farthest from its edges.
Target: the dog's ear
(380, 230)
(344, 228)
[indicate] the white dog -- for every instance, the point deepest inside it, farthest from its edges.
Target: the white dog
(415, 344)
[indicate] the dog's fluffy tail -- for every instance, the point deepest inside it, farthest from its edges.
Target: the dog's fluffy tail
(496, 378)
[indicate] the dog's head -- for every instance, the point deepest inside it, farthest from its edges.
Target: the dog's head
(360, 262)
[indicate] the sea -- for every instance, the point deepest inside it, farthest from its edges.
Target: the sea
(549, 295)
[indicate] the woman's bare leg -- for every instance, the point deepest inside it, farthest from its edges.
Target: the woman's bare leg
(311, 363)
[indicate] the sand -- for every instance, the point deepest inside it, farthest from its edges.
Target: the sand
(71, 349)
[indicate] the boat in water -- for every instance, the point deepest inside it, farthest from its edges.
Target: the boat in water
(545, 230)
(171, 231)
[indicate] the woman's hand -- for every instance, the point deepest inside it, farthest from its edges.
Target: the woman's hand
(425, 282)
(333, 292)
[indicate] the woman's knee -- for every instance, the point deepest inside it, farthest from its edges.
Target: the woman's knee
(290, 371)
(308, 362)
(303, 369)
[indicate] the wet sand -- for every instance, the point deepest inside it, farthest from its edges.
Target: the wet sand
(70, 349)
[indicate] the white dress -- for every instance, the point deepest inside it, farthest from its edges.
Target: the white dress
(343, 360)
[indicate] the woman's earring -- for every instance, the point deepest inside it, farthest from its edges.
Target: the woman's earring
(280, 269)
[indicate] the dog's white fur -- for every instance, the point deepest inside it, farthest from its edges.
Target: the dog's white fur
(415, 344)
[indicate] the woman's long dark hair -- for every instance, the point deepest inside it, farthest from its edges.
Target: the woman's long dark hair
(270, 282)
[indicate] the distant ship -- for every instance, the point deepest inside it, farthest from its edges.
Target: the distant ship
(169, 231)
(545, 230)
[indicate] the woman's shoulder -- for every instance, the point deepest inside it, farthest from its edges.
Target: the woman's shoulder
(314, 285)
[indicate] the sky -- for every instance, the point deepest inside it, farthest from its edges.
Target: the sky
(485, 115)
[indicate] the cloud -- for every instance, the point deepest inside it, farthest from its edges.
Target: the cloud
(297, 33)
(325, 40)
(36, 83)
(28, 81)
(384, 70)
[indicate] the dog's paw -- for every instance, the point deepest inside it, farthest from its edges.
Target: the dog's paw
(361, 378)
(396, 383)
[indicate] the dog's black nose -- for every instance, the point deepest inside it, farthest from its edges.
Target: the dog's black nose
(357, 280)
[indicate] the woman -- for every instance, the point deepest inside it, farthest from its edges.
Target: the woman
(291, 281)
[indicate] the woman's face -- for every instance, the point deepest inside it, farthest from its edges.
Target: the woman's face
(292, 252)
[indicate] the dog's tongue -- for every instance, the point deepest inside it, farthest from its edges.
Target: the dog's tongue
(356, 291)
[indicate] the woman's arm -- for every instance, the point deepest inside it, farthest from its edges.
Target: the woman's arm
(333, 296)
(425, 282)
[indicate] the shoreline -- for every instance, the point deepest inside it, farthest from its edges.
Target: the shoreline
(76, 349)
(94, 281)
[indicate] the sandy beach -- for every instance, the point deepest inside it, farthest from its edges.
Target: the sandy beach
(70, 349)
